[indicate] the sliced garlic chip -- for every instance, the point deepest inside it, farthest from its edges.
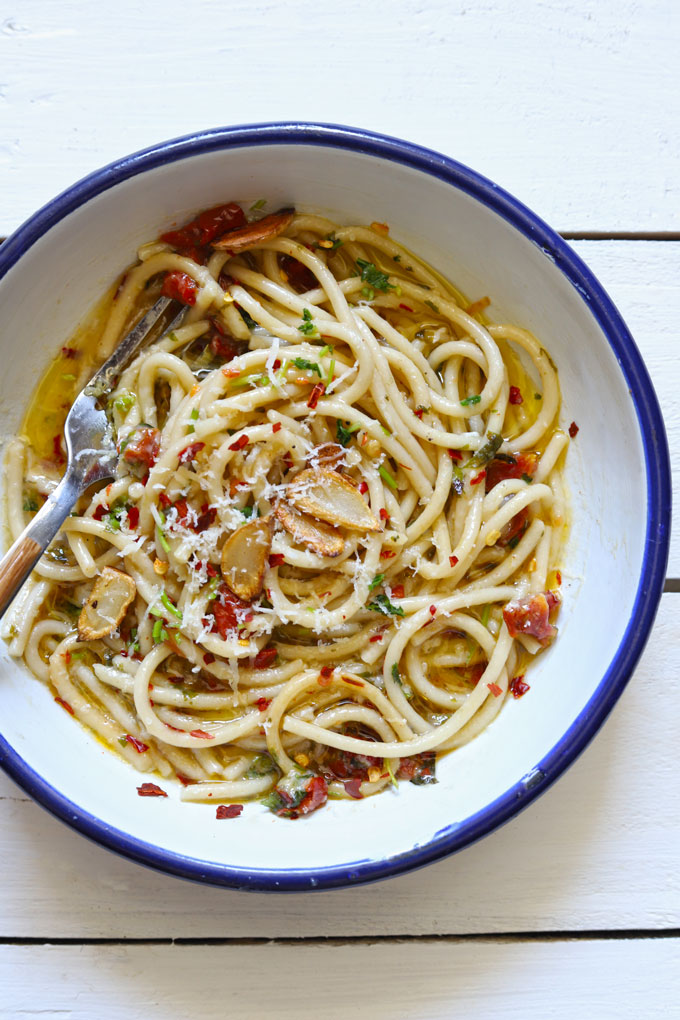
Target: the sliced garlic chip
(328, 455)
(328, 496)
(255, 233)
(112, 593)
(244, 557)
(321, 539)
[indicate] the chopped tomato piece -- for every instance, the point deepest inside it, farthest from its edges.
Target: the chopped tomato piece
(140, 449)
(299, 276)
(419, 769)
(265, 657)
(515, 395)
(530, 616)
(515, 528)
(502, 468)
(189, 239)
(518, 687)
(573, 430)
(180, 287)
(229, 811)
(150, 790)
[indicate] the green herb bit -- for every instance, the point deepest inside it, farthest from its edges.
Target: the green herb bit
(527, 478)
(537, 396)
(487, 452)
(387, 477)
(308, 327)
(396, 258)
(377, 580)
(261, 765)
(248, 319)
(395, 674)
(30, 505)
(373, 276)
(171, 607)
(260, 204)
(121, 740)
(165, 546)
(159, 632)
(311, 366)
(247, 511)
(386, 431)
(514, 542)
(382, 604)
(194, 414)
(471, 400)
(344, 432)
(432, 305)
(124, 402)
(389, 768)
(368, 293)
(68, 377)
(331, 372)
(485, 615)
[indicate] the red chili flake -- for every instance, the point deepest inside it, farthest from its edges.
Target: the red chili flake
(353, 788)
(164, 501)
(518, 686)
(406, 308)
(363, 488)
(57, 449)
(67, 658)
(558, 577)
(265, 657)
(387, 554)
(229, 811)
(316, 393)
(354, 683)
(276, 427)
(376, 637)
(453, 560)
(495, 690)
(455, 454)
(139, 746)
(384, 516)
(276, 559)
(288, 460)
(324, 677)
(133, 516)
(231, 373)
(208, 658)
(433, 610)
(239, 443)
(65, 705)
(69, 352)
(277, 365)
(398, 591)
(181, 287)
(201, 734)
(516, 395)
(478, 478)
(101, 511)
(263, 704)
(419, 411)
(184, 780)
(150, 790)
(573, 429)
(189, 452)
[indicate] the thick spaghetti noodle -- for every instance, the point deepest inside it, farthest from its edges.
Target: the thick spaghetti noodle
(339, 512)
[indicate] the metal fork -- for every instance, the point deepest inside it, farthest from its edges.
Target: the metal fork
(92, 457)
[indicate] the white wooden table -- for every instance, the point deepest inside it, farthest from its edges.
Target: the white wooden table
(572, 910)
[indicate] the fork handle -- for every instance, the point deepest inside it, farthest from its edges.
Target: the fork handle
(22, 556)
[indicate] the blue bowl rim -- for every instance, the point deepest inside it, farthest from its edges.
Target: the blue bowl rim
(655, 445)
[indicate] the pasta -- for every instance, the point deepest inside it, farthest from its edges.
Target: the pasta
(332, 545)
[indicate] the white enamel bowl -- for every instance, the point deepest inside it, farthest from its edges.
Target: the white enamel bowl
(56, 265)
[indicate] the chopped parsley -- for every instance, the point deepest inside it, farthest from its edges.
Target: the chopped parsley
(487, 452)
(260, 204)
(387, 477)
(124, 402)
(527, 478)
(433, 306)
(344, 432)
(471, 400)
(308, 327)
(30, 505)
(248, 319)
(373, 276)
(377, 580)
(303, 363)
(382, 604)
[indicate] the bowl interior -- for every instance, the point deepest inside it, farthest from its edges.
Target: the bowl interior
(50, 290)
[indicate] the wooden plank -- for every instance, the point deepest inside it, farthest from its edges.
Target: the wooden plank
(565, 104)
(608, 980)
(599, 851)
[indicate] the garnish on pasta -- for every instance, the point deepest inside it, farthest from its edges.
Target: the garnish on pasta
(331, 548)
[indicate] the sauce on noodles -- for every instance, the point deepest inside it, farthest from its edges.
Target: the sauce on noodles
(332, 546)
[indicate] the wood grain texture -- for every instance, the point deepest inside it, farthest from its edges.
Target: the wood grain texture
(429, 980)
(14, 566)
(599, 851)
(571, 106)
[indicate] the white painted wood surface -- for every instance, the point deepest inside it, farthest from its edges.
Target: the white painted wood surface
(574, 108)
(427, 980)
(570, 105)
